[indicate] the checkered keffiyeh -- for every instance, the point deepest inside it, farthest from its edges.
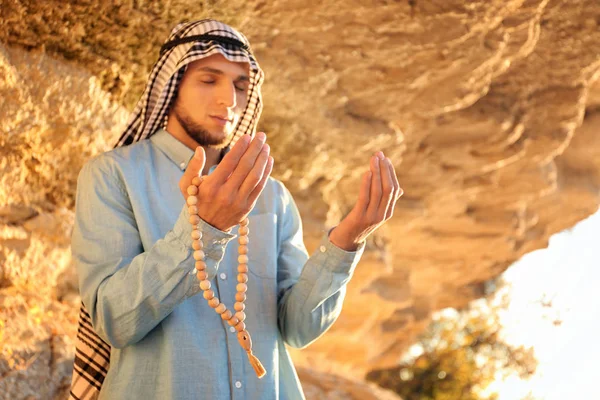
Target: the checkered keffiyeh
(187, 42)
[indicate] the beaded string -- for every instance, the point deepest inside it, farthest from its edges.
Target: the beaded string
(236, 320)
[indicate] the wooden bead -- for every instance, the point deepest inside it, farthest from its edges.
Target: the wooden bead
(244, 340)
(192, 201)
(226, 315)
(201, 275)
(200, 265)
(205, 284)
(241, 297)
(192, 190)
(196, 181)
(240, 315)
(233, 319)
(241, 326)
(220, 309)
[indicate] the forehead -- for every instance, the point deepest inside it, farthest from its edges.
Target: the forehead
(219, 62)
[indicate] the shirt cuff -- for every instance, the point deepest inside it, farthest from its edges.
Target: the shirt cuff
(213, 239)
(338, 260)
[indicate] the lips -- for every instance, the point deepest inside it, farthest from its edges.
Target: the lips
(220, 120)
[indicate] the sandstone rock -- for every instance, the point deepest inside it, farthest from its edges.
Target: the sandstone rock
(321, 386)
(53, 117)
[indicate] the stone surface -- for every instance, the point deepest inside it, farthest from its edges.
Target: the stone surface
(53, 117)
(490, 111)
(323, 386)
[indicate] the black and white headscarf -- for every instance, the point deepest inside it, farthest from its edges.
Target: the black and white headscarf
(187, 42)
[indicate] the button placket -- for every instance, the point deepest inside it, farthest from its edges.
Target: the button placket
(236, 353)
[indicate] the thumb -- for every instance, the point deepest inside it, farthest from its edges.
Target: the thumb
(196, 164)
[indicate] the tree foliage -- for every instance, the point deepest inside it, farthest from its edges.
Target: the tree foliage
(458, 357)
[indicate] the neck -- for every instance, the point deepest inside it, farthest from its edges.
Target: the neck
(213, 156)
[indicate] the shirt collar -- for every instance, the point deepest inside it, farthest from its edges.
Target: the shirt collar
(176, 151)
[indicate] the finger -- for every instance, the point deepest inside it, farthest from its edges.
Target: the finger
(231, 160)
(396, 194)
(246, 163)
(261, 185)
(387, 186)
(196, 164)
(363, 195)
(256, 174)
(375, 193)
(399, 190)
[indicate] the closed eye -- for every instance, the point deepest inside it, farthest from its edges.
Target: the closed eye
(237, 87)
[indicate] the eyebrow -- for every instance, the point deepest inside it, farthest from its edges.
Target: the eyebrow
(219, 72)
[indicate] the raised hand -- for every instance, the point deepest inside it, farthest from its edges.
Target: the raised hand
(379, 191)
(228, 195)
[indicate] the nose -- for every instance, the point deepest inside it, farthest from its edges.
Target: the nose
(227, 95)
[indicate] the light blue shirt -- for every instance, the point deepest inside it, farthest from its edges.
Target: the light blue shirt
(132, 248)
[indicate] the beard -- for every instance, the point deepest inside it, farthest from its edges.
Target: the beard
(197, 132)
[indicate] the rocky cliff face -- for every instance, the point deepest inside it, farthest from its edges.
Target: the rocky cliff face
(490, 111)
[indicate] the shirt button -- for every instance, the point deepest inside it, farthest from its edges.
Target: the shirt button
(223, 275)
(322, 248)
(182, 165)
(238, 384)
(232, 329)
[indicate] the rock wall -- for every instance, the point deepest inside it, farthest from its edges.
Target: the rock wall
(489, 109)
(53, 117)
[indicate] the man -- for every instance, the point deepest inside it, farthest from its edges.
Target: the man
(132, 247)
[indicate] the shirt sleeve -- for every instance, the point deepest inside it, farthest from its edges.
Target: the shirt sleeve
(311, 289)
(128, 291)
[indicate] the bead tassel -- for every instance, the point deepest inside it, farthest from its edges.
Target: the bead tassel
(233, 319)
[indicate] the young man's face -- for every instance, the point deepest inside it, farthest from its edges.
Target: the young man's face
(211, 98)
